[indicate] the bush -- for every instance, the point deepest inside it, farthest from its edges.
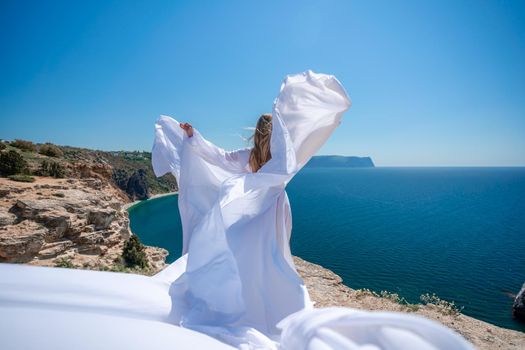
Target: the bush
(134, 253)
(12, 162)
(24, 145)
(53, 169)
(2, 146)
(64, 262)
(51, 150)
(21, 178)
(446, 307)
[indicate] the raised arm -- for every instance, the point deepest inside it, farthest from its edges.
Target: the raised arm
(233, 160)
(171, 138)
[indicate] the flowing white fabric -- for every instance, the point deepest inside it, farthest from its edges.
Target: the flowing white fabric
(351, 329)
(56, 308)
(235, 280)
(237, 269)
(50, 308)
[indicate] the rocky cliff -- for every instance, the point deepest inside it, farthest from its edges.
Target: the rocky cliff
(76, 222)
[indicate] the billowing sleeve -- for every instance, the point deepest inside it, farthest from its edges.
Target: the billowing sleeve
(170, 141)
(305, 113)
(167, 147)
(215, 155)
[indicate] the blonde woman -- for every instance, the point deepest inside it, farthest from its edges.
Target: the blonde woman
(236, 278)
(260, 153)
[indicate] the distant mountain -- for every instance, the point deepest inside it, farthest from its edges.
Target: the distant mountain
(340, 162)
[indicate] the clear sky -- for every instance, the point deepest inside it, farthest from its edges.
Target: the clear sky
(432, 82)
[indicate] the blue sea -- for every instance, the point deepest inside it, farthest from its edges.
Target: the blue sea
(455, 232)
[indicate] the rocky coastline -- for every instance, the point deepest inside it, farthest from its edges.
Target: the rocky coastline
(327, 289)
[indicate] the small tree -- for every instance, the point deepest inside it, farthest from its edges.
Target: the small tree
(51, 150)
(12, 162)
(53, 169)
(134, 253)
(24, 145)
(57, 170)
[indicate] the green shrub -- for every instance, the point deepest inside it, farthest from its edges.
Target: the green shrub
(24, 145)
(53, 169)
(50, 150)
(2, 146)
(134, 253)
(21, 178)
(12, 162)
(64, 262)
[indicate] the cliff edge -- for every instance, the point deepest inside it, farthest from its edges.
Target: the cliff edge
(67, 222)
(327, 289)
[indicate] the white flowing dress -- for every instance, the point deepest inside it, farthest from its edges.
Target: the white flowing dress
(236, 268)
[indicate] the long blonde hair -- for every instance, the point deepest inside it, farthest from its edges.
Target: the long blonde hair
(260, 152)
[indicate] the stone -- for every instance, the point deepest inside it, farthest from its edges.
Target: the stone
(7, 218)
(19, 243)
(89, 238)
(518, 308)
(51, 250)
(58, 223)
(101, 218)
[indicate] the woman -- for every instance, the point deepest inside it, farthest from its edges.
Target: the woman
(260, 153)
(236, 270)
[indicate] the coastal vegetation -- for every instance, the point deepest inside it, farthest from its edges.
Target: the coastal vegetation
(134, 253)
(130, 171)
(442, 306)
(51, 168)
(21, 178)
(12, 163)
(446, 307)
(64, 262)
(50, 150)
(23, 145)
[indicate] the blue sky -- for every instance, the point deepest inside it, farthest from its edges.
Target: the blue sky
(432, 82)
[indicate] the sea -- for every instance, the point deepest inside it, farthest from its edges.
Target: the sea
(456, 232)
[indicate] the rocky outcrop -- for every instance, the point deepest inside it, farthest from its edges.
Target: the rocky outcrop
(81, 220)
(518, 308)
(340, 162)
(137, 187)
(327, 289)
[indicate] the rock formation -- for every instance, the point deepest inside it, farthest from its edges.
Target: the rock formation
(340, 162)
(137, 187)
(518, 308)
(81, 220)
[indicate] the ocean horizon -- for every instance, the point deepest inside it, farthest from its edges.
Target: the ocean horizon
(458, 232)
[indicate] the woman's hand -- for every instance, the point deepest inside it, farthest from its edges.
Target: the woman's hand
(188, 128)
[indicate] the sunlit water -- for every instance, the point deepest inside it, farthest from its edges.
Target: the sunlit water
(456, 232)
